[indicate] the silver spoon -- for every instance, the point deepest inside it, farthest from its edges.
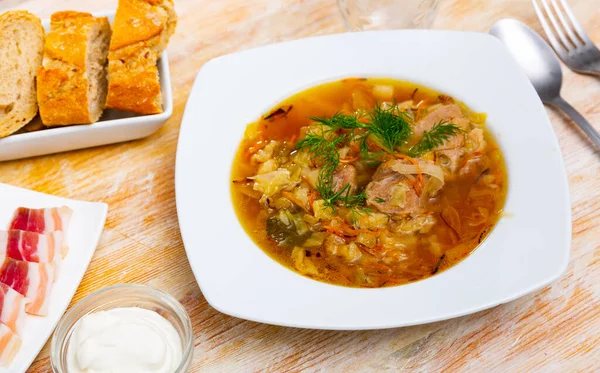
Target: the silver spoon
(541, 66)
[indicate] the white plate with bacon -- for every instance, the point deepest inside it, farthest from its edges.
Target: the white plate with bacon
(46, 244)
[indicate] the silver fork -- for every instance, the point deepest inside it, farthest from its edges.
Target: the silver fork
(567, 37)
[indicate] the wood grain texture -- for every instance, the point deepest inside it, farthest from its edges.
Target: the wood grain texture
(556, 329)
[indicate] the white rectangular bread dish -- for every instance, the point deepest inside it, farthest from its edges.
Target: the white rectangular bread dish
(114, 126)
(83, 234)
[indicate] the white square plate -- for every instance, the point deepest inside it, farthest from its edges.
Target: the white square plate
(114, 126)
(83, 234)
(527, 249)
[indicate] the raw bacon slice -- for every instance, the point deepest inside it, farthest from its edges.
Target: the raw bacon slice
(12, 309)
(43, 221)
(31, 246)
(9, 345)
(33, 280)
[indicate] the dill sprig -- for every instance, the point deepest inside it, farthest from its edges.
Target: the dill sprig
(342, 197)
(357, 212)
(433, 138)
(325, 151)
(339, 121)
(322, 149)
(389, 126)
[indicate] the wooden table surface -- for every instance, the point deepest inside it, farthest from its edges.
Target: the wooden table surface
(556, 329)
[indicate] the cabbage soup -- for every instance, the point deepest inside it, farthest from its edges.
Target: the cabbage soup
(368, 182)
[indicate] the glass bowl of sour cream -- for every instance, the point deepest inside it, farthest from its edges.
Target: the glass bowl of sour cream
(122, 329)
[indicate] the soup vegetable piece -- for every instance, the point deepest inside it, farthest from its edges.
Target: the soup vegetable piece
(368, 182)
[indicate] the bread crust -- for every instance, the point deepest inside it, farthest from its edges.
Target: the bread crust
(13, 120)
(141, 31)
(63, 87)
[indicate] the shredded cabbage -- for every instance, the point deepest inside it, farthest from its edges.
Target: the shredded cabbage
(367, 239)
(475, 141)
(302, 263)
(399, 195)
(383, 92)
(374, 220)
(337, 246)
(421, 223)
(272, 182)
(311, 175)
(315, 240)
(302, 158)
(268, 166)
(265, 153)
(321, 211)
(434, 184)
(405, 105)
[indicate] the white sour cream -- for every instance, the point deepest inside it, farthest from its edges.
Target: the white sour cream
(124, 340)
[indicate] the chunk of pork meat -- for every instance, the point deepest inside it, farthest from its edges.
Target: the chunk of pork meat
(450, 154)
(345, 175)
(392, 192)
(448, 113)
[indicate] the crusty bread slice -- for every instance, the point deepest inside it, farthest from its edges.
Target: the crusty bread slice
(21, 47)
(72, 82)
(142, 29)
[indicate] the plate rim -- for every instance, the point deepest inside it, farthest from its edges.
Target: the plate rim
(179, 181)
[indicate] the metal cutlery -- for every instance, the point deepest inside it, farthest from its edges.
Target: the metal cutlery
(541, 66)
(567, 37)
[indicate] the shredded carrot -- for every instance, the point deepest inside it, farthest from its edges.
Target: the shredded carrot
(373, 146)
(380, 266)
(255, 148)
(311, 198)
(420, 182)
(345, 231)
(368, 250)
(470, 157)
(293, 139)
(363, 118)
(498, 179)
(294, 200)
(342, 277)
(387, 280)
(333, 230)
(350, 159)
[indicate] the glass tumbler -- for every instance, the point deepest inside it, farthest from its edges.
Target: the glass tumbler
(362, 15)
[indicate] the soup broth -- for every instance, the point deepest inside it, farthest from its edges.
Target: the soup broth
(368, 182)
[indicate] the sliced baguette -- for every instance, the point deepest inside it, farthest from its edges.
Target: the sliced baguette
(21, 47)
(72, 82)
(142, 29)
